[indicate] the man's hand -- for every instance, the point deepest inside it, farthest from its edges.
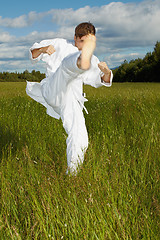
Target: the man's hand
(48, 49)
(104, 68)
(107, 72)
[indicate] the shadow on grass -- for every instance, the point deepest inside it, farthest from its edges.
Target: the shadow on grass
(8, 141)
(11, 144)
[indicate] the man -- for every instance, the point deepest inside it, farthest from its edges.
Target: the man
(68, 67)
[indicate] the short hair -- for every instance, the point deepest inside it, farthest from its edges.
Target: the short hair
(84, 29)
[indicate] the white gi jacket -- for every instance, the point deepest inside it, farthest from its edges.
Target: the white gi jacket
(61, 93)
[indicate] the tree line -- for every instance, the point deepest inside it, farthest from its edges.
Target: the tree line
(34, 76)
(138, 70)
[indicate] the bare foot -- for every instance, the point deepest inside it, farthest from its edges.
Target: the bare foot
(87, 52)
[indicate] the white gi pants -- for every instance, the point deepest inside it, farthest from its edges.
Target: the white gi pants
(59, 93)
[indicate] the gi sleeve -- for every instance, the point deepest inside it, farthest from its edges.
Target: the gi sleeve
(93, 76)
(104, 83)
(36, 45)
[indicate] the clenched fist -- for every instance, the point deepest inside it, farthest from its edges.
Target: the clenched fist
(107, 72)
(104, 68)
(49, 49)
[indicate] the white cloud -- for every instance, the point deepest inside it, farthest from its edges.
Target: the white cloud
(18, 22)
(33, 16)
(23, 20)
(117, 23)
(70, 17)
(6, 37)
(115, 59)
(10, 52)
(35, 36)
(20, 66)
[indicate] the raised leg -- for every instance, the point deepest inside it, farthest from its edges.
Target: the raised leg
(55, 87)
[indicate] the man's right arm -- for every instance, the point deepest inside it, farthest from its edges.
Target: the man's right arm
(37, 51)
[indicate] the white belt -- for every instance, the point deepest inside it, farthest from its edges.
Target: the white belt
(81, 99)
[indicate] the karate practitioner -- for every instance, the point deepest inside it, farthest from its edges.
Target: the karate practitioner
(69, 66)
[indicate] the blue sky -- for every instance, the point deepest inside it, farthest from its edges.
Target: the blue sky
(19, 7)
(126, 29)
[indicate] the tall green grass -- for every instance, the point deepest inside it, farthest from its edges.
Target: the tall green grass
(116, 193)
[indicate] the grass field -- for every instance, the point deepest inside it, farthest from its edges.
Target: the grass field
(116, 194)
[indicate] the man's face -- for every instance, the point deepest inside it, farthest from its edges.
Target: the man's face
(79, 42)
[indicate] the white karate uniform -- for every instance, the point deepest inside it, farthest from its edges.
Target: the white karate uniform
(61, 93)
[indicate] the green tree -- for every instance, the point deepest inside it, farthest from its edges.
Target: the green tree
(140, 70)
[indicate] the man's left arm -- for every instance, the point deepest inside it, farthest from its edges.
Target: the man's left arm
(106, 74)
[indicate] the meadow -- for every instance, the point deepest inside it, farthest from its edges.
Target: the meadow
(115, 195)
